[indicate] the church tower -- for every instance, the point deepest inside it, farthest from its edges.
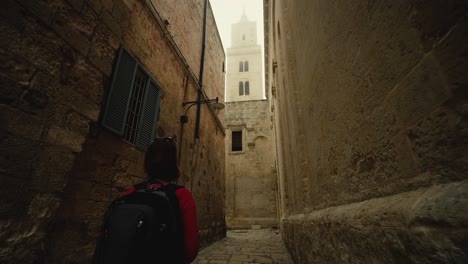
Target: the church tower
(250, 163)
(244, 63)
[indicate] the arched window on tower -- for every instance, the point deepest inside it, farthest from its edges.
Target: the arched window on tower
(241, 67)
(241, 88)
(246, 66)
(247, 88)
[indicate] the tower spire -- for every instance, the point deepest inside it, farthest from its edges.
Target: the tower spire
(244, 16)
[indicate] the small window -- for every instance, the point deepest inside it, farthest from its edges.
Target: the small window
(246, 66)
(241, 88)
(241, 67)
(247, 88)
(236, 140)
(132, 106)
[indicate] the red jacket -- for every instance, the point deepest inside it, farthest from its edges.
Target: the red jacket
(188, 212)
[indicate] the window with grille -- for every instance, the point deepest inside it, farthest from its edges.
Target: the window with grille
(133, 102)
(241, 66)
(246, 66)
(247, 88)
(236, 140)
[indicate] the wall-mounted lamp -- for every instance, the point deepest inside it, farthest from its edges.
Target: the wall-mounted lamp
(214, 104)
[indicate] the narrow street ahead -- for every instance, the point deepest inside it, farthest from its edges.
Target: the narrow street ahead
(247, 247)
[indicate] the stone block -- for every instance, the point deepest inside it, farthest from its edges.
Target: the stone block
(43, 10)
(113, 25)
(76, 28)
(18, 156)
(420, 92)
(123, 181)
(98, 207)
(81, 77)
(107, 4)
(37, 45)
(122, 10)
(36, 99)
(52, 169)
(10, 90)
(15, 77)
(76, 123)
(66, 138)
(103, 174)
(43, 205)
(16, 196)
(20, 124)
(79, 103)
(46, 83)
(102, 53)
(439, 145)
(451, 54)
(77, 4)
(433, 19)
(97, 6)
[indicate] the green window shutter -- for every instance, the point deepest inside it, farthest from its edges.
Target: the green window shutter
(118, 99)
(149, 116)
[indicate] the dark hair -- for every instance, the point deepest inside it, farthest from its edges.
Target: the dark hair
(161, 159)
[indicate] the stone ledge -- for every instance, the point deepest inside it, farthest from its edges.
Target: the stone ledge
(247, 222)
(442, 204)
(423, 226)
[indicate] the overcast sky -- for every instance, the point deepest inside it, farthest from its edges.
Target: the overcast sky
(228, 12)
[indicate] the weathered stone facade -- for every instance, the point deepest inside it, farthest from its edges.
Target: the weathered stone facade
(370, 106)
(250, 176)
(60, 167)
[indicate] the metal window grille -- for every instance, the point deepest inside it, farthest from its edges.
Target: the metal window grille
(134, 110)
(132, 106)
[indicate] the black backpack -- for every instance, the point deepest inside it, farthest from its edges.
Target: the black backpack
(142, 227)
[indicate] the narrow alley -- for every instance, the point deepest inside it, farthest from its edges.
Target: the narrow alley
(297, 131)
(247, 247)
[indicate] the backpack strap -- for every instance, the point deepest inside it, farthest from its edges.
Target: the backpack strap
(170, 186)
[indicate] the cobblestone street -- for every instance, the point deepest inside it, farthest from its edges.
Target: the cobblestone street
(247, 247)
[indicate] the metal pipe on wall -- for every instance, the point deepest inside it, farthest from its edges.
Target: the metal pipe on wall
(200, 77)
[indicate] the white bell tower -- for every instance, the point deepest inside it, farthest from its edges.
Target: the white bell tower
(244, 63)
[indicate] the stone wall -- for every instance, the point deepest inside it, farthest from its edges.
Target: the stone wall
(60, 168)
(250, 174)
(371, 124)
(189, 40)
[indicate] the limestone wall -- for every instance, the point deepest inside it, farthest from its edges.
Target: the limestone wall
(250, 175)
(59, 167)
(371, 124)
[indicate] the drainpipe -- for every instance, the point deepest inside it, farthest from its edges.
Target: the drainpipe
(200, 78)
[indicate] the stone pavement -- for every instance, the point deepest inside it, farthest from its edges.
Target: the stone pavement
(247, 247)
